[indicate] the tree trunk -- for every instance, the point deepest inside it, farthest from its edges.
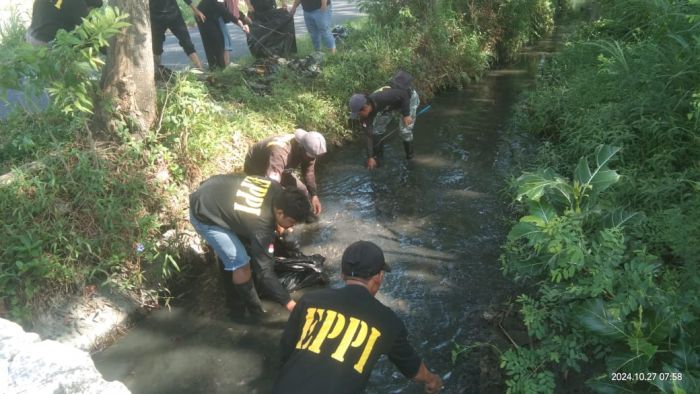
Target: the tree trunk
(128, 85)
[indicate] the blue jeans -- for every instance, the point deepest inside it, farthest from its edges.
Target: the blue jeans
(227, 38)
(318, 23)
(225, 243)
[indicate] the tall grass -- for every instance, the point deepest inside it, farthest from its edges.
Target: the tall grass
(630, 79)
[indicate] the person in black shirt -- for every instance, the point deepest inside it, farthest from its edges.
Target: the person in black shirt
(165, 14)
(334, 337)
(211, 31)
(49, 16)
(234, 211)
(276, 157)
(376, 110)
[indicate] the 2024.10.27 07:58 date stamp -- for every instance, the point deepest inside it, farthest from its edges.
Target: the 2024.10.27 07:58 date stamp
(645, 376)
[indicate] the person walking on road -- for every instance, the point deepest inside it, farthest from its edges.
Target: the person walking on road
(166, 15)
(376, 110)
(230, 211)
(317, 17)
(334, 337)
(276, 157)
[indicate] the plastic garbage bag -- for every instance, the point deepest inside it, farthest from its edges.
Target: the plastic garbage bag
(294, 269)
(299, 272)
(272, 34)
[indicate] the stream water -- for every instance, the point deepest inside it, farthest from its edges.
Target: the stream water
(440, 219)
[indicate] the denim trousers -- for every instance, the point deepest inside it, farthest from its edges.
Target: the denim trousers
(318, 23)
(225, 243)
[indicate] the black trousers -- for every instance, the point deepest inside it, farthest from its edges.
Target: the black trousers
(213, 41)
(177, 26)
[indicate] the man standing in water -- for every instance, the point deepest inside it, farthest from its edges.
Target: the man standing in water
(276, 157)
(376, 110)
(335, 336)
(230, 210)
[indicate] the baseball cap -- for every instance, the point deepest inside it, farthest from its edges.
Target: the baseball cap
(357, 101)
(313, 142)
(363, 259)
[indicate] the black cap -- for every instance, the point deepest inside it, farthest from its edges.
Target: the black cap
(363, 259)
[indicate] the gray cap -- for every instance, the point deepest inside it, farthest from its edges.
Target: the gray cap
(357, 101)
(313, 142)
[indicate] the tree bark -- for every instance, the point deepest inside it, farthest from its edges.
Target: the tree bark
(128, 84)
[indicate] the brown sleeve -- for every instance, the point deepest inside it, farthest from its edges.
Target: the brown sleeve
(308, 169)
(278, 159)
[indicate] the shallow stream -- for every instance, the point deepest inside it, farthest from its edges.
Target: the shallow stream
(440, 219)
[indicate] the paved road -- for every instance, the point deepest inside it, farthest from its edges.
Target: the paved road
(175, 58)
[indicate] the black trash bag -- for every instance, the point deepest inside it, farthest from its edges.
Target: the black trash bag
(272, 34)
(299, 272)
(294, 269)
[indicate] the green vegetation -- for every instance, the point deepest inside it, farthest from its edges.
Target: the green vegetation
(82, 207)
(613, 255)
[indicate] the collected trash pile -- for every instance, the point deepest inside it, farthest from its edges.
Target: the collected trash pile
(260, 74)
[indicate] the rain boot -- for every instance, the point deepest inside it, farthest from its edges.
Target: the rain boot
(408, 148)
(234, 302)
(250, 297)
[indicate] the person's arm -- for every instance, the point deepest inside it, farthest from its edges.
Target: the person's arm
(431, 381)
(308, 169)
(294, 6)
(405, 98)
(263, 263)
(324, 4)
(197, 13)
(292, 331)
(409, 363)
(372, 141)
(228, 16)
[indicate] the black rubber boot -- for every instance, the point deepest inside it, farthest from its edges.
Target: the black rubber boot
(408, 148)
(250, 297)
(233, 300)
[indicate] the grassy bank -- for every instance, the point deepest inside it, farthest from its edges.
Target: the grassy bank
(610, 217)
(78, 209)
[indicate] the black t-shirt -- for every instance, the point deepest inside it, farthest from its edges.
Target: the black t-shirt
(391, 99)
(333, 339)
(216, 9)
(244, 205)
(312, 5)
(49, 16)
(165, 9)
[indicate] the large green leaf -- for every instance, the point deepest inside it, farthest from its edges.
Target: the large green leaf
(596, 318)
(601, 177)
(543, 211)
(534, 185)
(523, 230)
(619, 217)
